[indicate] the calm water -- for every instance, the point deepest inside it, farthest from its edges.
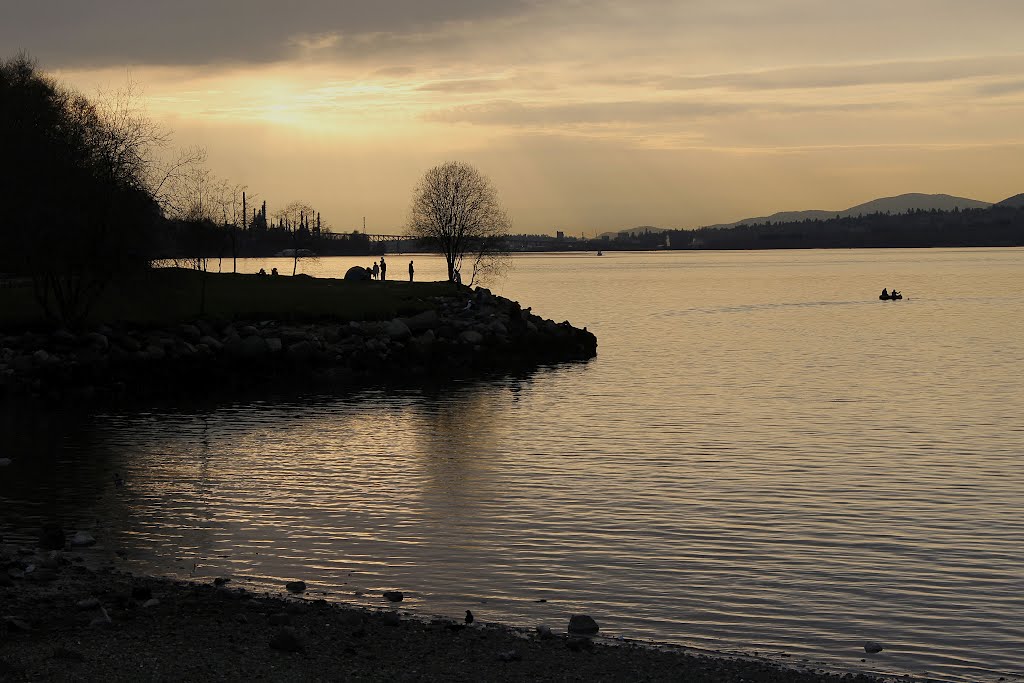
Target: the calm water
(763, 457)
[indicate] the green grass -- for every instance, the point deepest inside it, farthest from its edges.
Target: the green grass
(171, 295)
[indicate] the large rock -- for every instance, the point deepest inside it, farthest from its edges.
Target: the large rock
(398, 330)
(302, 351)
(872, 647)
(211, 343)
(98, 340)
(583, 625)
(191, 333)
(253, 346)
(427, 320)
(471, 337)
(82, 540)
(357, 273)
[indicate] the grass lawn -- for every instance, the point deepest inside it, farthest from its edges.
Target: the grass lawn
(171, 295)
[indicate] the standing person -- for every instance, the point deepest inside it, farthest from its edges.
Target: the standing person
(411, 271)
(375, 270)
(383, 269)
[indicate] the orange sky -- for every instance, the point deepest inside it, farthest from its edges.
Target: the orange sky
(586, 116)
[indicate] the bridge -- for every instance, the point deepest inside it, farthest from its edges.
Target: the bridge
(393, 243)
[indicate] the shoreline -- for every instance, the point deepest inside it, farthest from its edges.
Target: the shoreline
(463, 333)
(65, 621)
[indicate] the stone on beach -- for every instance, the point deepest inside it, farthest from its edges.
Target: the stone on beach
(296, 586)
(583, 624)
(394, 596)
(82, 540)
(88, 603)
(872, 647)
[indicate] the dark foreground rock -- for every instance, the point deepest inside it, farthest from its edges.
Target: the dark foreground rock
(467, 333)
(89, 625)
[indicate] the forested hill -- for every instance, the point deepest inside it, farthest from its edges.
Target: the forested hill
(998, 225)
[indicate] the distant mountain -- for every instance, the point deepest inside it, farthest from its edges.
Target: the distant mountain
(1016, 201)
(900, 204)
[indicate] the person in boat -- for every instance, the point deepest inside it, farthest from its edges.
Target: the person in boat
(894, 294)
(885, 293)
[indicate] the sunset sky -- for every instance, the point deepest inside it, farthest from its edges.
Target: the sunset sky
(587, 116)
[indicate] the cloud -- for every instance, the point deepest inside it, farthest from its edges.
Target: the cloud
(73, 33)
(1000, 88)
(515, 114)
(846, 75)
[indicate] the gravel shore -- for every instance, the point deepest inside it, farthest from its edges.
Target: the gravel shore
(62, 621)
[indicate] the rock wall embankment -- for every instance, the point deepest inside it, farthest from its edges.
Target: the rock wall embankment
(468, 333)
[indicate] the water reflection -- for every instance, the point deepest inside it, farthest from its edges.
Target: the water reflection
(739, 468)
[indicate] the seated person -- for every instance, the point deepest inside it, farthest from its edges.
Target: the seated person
(885, 293)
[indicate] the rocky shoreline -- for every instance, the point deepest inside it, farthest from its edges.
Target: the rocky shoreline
(64, 621)
(469, 332)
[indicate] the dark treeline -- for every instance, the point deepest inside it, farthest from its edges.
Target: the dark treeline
(995, 226)
(92, 194)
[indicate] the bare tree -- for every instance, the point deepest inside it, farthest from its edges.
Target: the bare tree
(455, 208)
(297, 218)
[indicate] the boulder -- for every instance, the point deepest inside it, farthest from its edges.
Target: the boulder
(154, 352)
(583, 624)
(471, 337)
(88, 603)
(211, 343)
(398, 330)
(97, 340)
(357, 274)
(427, 320)
(871, 647)
(394, 596)
(274, 344)
(253, 346)
(296, 586)
(190, 333)
(82, 540)
(302, 351)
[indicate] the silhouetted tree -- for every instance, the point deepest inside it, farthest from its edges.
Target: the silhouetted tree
(455, 209)
(74, 185)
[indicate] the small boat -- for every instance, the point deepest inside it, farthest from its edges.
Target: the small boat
(889, 297)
